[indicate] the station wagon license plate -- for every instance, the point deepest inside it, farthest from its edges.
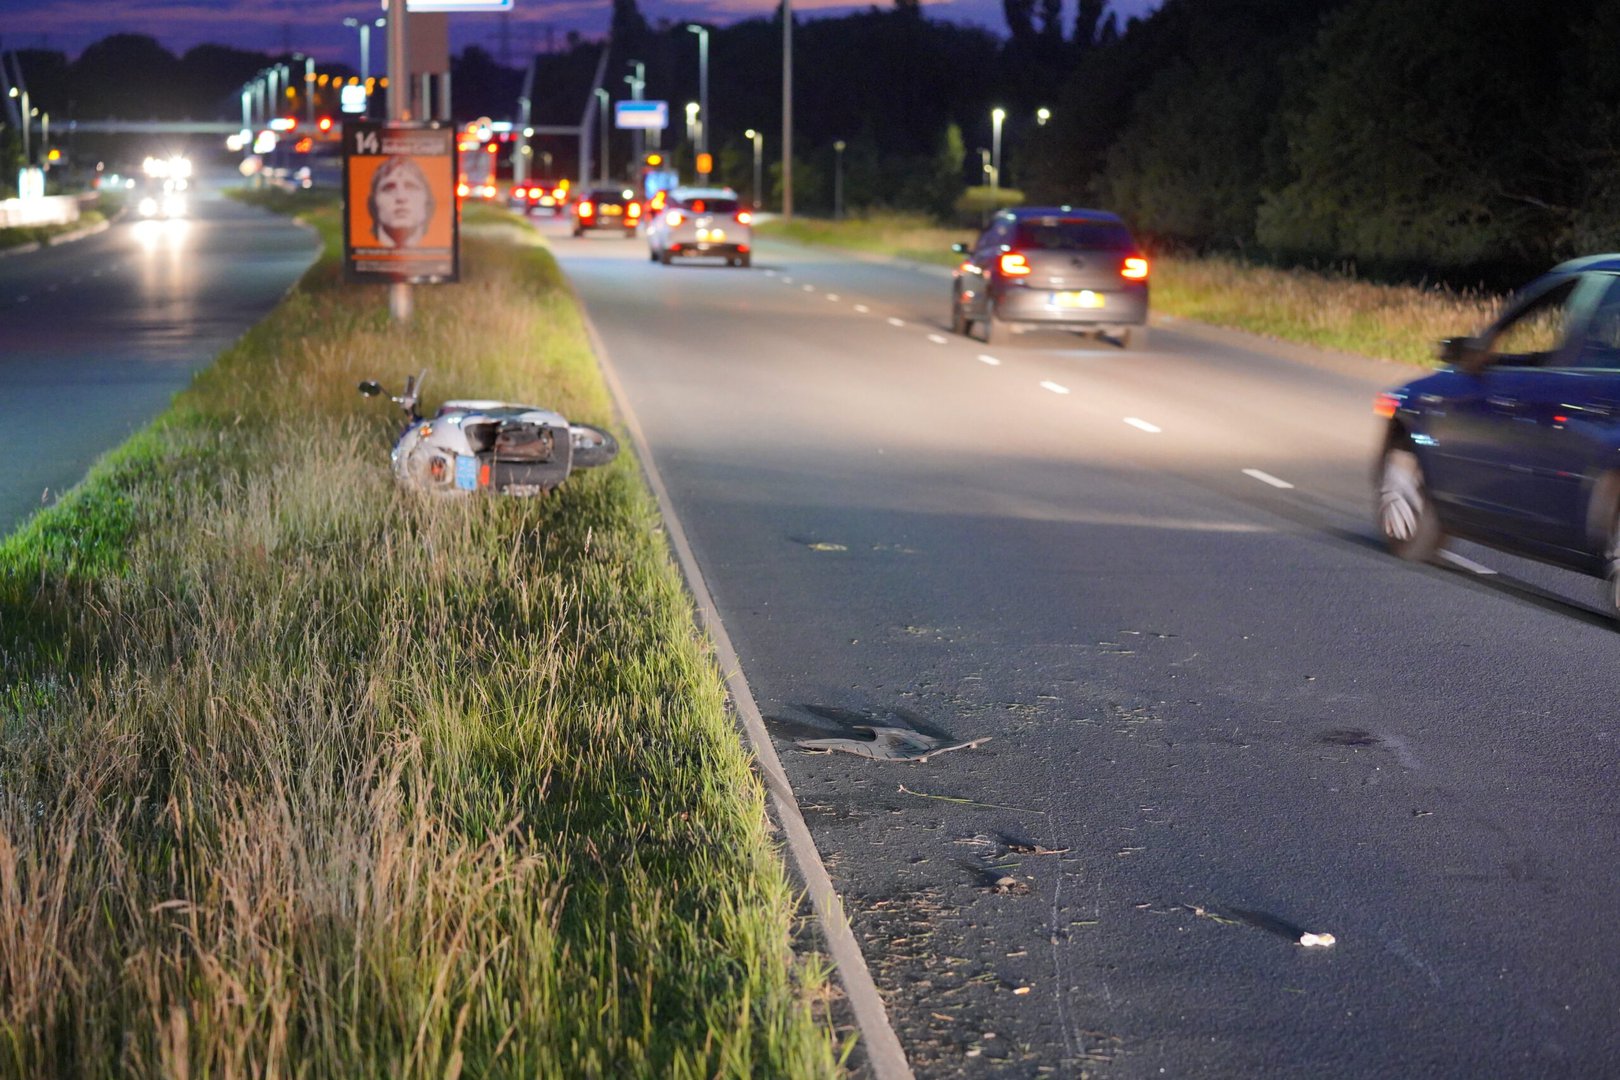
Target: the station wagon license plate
(1085, 298)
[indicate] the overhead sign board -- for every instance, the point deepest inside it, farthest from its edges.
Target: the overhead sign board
(649, 115)
(401, 220)
(458, 5)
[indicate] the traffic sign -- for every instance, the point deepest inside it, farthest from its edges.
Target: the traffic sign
(649, 115)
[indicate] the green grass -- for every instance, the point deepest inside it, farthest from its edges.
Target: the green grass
(18, 235)
(303, 775)
(1334, 311)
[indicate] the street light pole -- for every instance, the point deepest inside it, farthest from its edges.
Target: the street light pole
(309, 90)
(399, 109)
(787, 110)
(28, 158)
(996, 117)
(637, 81)
(838, 180)
(758, 139)
(703, 86)
(602, 102)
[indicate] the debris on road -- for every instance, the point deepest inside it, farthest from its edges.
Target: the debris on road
(888, 744)
(1324, 941)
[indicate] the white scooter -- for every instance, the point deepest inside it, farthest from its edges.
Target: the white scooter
(491, 446)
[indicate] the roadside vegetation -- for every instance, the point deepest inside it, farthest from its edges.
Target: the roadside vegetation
(18, 235)
(301, 775)
(1336, 311)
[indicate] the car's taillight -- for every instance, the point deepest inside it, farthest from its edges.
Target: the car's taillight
(1014, 264)
(744, 217)
(586, 209)
(673, 218)
(634, 210)
(520, 193)
(1134, 267)
(461, 190)
(1385, 405)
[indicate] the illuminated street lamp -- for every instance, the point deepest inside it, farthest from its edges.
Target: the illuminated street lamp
(703, 82)
(27, 157)
(692, 109)
(838, 180)
(758, 139)
(996, 117)
(1042, 115)
(364, 26)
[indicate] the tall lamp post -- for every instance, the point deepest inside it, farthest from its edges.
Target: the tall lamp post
(28, 158)
(703, 86)
(996, 117)
(602, 103)
(1042, 115)
(787, 110)
(838, 180)
(637, 82)
(364, 26)
(758, 139)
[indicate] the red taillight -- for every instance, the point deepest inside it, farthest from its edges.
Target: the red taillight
(520, 193)
(586, 209)
(1135, 268)
(673, 218)
(634, 209)
(658, 202)
(1014, 265)
(1385, 404)
(744, 217)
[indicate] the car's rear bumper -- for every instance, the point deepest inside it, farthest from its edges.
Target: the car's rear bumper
(621, 224)
(1115, 308)
(693, 248)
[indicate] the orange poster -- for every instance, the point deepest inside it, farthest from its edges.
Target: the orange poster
(400, 210)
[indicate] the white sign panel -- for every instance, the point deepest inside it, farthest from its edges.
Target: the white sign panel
(641, 114)
(458, 5)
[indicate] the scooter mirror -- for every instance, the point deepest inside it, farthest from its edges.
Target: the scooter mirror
(370, 388)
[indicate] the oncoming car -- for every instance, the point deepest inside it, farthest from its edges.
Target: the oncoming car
(701, 222)
(607, 208)
(1516, 442)
(1053, 266)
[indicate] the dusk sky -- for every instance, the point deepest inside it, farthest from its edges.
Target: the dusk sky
(316, 26)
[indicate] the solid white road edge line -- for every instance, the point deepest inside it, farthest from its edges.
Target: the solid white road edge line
(1143, 425)
(1056, 388)
(884, 1053)
(1467, 564)
(986, 358)
(1267, 478)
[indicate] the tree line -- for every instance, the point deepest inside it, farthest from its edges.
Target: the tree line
(1464, 139)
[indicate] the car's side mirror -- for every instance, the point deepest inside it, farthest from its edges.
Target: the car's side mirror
(1463, 352)
(370, 388)
(960, 249)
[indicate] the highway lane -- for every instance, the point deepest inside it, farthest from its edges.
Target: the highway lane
(1219, 715)
(98, 334)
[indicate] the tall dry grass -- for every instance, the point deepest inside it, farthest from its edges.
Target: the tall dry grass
(303, 776)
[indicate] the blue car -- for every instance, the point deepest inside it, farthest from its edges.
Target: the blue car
(1516, 442)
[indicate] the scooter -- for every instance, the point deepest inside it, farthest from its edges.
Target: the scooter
(491, 446)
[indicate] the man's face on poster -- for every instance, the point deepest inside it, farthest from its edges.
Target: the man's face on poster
(402, 202)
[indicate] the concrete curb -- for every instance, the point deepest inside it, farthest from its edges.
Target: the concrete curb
(64, 238)
(884, 1054)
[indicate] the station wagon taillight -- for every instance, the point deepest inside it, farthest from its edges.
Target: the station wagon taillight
(673, 218)
(744, 217)
(1134, 268)
(1013, 264)
(634, 209)
(586, 209)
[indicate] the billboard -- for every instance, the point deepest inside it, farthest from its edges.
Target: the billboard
(400, 215)
(651, 115)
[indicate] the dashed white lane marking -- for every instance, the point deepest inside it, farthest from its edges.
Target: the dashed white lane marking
(862, 308)
(786, 280)
(22, 299)
(808, 288)
(1267, 478)
(939, 339)
(1143, 425)
(986, 358)
(833, 297)
(770, 273)
(896, 322)
(1467, 564)
(1056, 388)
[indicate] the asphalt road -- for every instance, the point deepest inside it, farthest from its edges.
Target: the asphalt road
(1219, 716)
(97, 335)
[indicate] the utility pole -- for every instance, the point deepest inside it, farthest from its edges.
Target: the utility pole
(787, 110)
(399, 109)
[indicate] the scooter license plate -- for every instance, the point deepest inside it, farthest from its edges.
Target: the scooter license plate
(466, 472)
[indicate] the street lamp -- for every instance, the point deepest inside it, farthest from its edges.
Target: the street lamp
(602, 103)
(703, 83)
(28, 159)
(364, 26)
(692, 108)
(637, 82)
(1042, 115)
(787, 110)
(996, 117)
(758, 139)
(838, 180)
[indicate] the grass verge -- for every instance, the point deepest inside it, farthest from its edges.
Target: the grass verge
(18, 235)
(303, 776)
(1329, 310)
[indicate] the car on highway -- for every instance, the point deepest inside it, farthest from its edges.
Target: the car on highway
(701, 222)
(617, 209)
(1053, 266)
(540, 197)
(1515, 443)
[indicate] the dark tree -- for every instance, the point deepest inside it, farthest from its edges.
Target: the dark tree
(129, 76)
